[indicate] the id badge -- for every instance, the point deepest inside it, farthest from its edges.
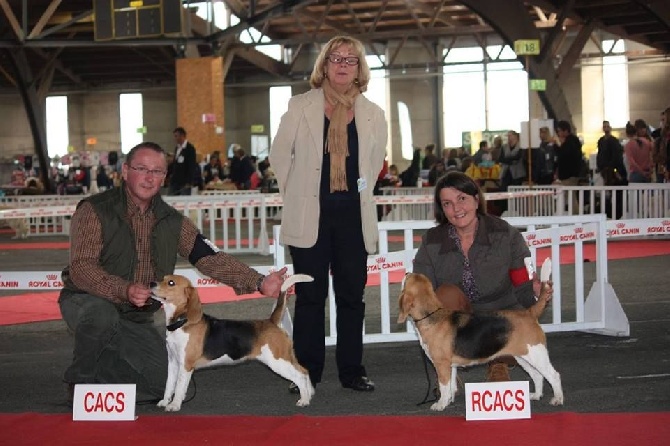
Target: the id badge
(362, 184)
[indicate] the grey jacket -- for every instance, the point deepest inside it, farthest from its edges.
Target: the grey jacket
(498, 248)
(297, 156)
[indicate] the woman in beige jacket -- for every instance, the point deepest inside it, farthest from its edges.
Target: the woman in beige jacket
(328, 151)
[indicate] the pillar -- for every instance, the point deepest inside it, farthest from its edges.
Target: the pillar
(200, 103)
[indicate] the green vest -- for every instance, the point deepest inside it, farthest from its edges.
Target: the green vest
(118, 256)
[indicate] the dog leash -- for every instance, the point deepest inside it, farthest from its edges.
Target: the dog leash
(425, 365)
(428, 380)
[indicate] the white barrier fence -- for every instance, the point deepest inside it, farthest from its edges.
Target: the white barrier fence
(592, 306)
(240, 218)
(634, 201)
(237, 221)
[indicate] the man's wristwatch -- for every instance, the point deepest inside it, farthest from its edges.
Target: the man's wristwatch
(259, 283)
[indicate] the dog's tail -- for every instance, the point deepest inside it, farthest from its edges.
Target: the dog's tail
(277, 313)
(545, 291)
(538, 307)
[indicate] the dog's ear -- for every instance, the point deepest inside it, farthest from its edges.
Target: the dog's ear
(405, 304)
(191, 293)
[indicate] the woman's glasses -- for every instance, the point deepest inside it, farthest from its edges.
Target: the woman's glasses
(349, 60)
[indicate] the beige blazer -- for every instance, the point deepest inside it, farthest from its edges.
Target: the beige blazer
(296, 157)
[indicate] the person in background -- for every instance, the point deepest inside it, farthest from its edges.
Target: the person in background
(481, 254)
(429, 157)
(453, 160)
(241, 169)
(496, 150)
(568, 159)
(549, 157)
(213, 171)
(609, 160)
(514, 170)
(410, 176)
(121, 241)
(661, 152)
(183, 165)
(328, 151)
(483, 155)
(638, 151)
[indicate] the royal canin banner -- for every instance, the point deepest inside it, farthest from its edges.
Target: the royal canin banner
(51, 280)
(587, 232)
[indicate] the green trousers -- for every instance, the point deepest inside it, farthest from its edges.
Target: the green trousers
(114, 344)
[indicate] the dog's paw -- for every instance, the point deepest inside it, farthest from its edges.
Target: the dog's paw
(439, 405)
(173, 407)
(556, 401)
(534, 396)
(163, 402)
(302, 402)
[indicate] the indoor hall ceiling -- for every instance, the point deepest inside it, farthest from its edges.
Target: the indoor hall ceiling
(55, 38)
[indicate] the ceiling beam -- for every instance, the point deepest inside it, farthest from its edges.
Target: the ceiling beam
(284, 8)
(548, 44)
(11, 18)
(48, 13)
(261, 60)
(72, 21)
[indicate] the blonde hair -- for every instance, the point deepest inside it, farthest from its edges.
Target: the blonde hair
(320, 70)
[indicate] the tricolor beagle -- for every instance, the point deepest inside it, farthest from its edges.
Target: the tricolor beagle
(455, 339)
(196, 340)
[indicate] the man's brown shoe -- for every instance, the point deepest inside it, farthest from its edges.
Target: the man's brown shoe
(497, 372)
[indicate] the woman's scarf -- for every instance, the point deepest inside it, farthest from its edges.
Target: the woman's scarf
(336, 141)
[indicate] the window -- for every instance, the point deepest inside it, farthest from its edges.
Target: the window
(506, 95)
(58, 138)
(615, 84)
(464, 98)
(377, 91)
(406, 140)
(132, 120)
(279, 97)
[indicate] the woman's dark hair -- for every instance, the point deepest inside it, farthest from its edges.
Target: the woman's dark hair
(462, 183)
(630, 129)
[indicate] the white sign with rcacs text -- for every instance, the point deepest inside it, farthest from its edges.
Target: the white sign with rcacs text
(507, 400)
(104, 402)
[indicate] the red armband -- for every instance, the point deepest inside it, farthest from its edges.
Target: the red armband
(519, 276)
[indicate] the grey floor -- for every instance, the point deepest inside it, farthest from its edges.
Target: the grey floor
(599, 373)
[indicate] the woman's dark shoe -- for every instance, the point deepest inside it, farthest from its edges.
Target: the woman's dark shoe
(360, 384)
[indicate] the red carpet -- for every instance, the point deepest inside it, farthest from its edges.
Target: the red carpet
(42, 306)
(635, 429)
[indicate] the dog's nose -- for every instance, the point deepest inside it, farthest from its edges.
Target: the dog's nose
(153, 285)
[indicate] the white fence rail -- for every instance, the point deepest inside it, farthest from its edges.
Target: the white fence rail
(596, 309)
(591, 306)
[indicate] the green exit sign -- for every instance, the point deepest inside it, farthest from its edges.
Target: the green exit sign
(527, 47)
(538, 84)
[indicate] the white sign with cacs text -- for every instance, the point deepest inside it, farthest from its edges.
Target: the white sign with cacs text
(104, 402)
(507, 400)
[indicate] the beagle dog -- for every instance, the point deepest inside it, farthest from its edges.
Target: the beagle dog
(455, 338)
(196, 340)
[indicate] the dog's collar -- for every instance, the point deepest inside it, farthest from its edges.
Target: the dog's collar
(428, 315)
(178, 323)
